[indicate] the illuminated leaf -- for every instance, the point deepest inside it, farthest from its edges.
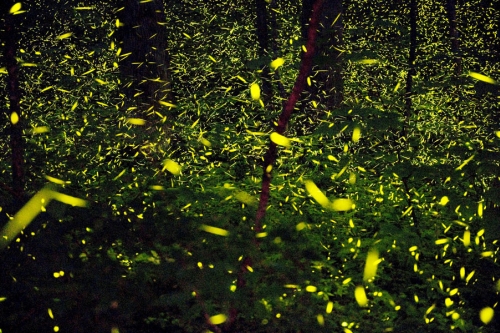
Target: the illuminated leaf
(205, 142)
(291, 286)
(69, 200)
(371, 265)
(486, 314)
(214, 230)
(444, 200)
(482, 77)
(255, 91)
(466, 237)
(24, 216)
(41, 129)
(329, 307)
(300, 226)
(360, 295)
(471, 274)
(171, 167)
(356, 134)
(64, 36)
(311, 289)
(352, 178)
(368, 61)
(487, 254)
(136, 121)
(167, 104)
(195, 123)
(464, 163)
(275, 64)
(280, 139)
(120, 174)
(442, 241)
(101, 81)
(14, 118)
(17, 7)
(244, 197)
(332, 158)
(218, 319)
(55, 180)
(341, 205)
(320, 319)
(316, 193)
(241, 79)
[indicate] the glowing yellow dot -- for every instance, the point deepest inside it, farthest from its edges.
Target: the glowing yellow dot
(311, 289)
(255, 91)
(329, 307)
(360, 296)
(14, 118)
(486, 314)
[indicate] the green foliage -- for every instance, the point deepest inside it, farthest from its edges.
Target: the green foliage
(157, 251)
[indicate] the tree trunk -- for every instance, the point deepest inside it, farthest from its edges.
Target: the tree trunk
(9, 39)
(144, 46)
(263, 39)
(329, 87)
(333, 26)
(455, 44)
(411, 64)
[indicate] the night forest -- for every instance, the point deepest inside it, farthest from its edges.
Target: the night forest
(250, 166)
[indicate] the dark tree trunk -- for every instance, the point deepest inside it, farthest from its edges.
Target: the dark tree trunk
(411, 63)
(329, 87)
(455, 44)
(9, 39)
(331, 75)
(146, 67)
(263, 39)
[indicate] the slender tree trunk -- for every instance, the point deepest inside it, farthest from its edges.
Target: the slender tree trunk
(455, 43)
(329, 87)
(300, 84)
(271, 154)
(411, 64)
(9, 38)
(334, 28)
(144, 45)
(263, 39)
